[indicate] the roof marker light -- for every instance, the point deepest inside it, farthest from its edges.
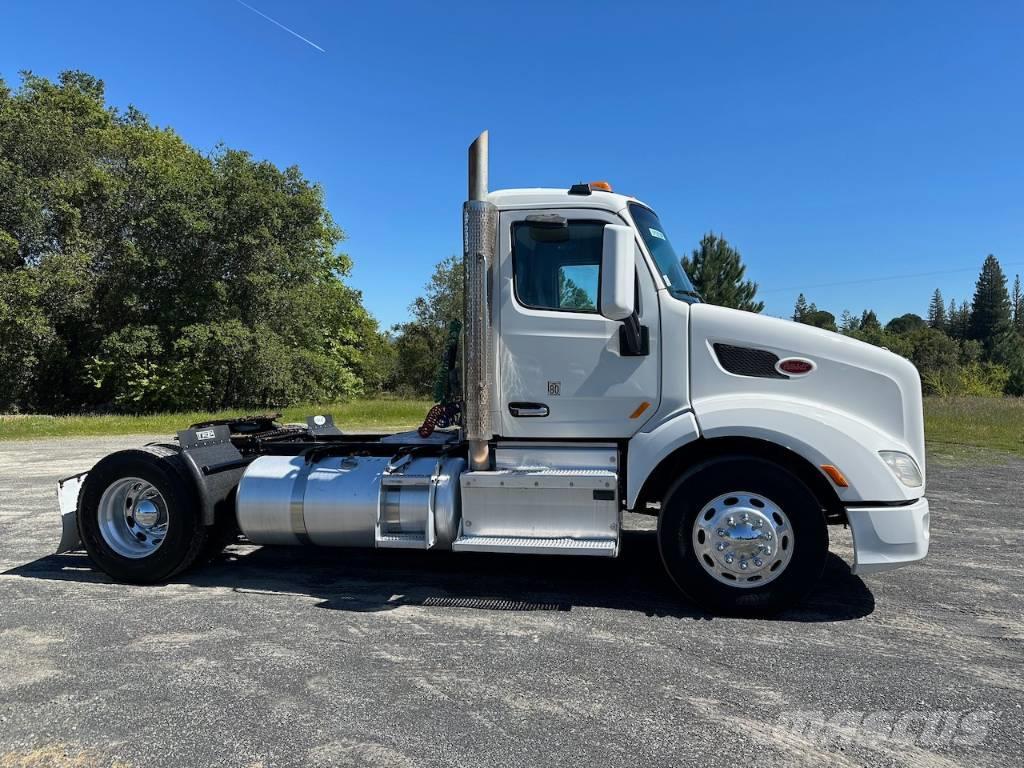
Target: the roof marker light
(585, 188)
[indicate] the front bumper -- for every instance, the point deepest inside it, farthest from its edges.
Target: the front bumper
(888, 537)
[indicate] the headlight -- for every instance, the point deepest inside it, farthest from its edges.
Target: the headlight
(904, 467)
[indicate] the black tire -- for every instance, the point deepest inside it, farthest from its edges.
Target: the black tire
(186, 535)
(709, 480)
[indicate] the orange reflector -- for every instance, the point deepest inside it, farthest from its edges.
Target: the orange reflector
(604, 186)
(640, 409)
(835, 474)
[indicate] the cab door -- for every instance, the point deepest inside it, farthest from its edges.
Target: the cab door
(563, 370)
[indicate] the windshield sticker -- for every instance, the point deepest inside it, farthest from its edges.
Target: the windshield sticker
(656, 233)
(668, 281)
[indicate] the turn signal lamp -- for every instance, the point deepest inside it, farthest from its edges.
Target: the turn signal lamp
(835, 475)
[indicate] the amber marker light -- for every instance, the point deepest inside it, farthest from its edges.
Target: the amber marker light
(639, 410)
(836, 476)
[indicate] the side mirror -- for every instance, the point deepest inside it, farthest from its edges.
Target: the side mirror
(617, 273)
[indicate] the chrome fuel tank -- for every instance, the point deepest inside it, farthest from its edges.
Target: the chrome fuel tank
(350, 501)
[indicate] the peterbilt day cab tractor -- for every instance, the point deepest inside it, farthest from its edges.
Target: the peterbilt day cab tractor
(593, 382)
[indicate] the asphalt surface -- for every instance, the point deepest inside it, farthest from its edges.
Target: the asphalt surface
(292, 657)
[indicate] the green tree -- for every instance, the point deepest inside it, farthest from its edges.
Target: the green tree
(937, 311)
(970, 351)
(990, 314)
(1017, 305)
(931, 349)
(140, 273)
(958, 320)
(963, 320)
(800, 309)
(809, 314)
(906, 323)
(819, 318)
(717, 272)
(869, 321)
(420, 343)
(571, 295)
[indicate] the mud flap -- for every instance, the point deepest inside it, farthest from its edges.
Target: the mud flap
(67, 498)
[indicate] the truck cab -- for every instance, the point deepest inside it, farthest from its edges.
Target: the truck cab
(595, 382)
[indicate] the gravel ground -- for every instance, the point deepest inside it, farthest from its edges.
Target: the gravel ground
(336, 658)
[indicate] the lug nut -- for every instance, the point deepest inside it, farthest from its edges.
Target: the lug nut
(759, 523)
(720, 532)
(729, 558)
(758, 562)
(743, 565)
(721, 546)
(745, 517)
(731, 521)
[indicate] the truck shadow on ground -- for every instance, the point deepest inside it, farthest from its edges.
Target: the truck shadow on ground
(380, 580)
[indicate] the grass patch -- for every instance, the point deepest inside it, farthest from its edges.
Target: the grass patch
(369, 415)
(953, 424)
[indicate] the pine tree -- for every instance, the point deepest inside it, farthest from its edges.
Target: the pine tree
(937, 311)
(963, 320)
(990, 317)
(951, 317)
(1017, 305)
(800, 309)
(847, 322)
(869, 321)
(717, 271)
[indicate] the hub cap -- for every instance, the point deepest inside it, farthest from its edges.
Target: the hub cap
(743, 539)
(133, 517)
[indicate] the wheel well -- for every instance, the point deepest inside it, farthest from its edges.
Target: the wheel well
(658, 482)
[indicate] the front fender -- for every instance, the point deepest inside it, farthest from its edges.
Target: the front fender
(820, 435)
(648, 449)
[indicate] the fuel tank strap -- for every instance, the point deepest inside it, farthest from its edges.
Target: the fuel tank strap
(297, 502)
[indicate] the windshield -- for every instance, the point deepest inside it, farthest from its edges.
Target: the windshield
(654, 236)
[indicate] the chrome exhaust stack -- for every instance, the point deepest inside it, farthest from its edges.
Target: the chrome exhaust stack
(479, 236)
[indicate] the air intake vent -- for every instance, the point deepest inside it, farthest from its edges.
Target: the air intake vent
(744, 361)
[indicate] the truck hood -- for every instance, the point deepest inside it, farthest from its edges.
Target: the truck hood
(733, 354)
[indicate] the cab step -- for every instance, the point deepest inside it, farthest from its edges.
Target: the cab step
(533, 545)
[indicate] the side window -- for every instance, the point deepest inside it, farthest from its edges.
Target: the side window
(557, 267)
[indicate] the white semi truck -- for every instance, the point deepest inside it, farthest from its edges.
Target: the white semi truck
(593, 382)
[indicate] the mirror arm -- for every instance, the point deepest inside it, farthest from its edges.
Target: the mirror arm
(634, 339)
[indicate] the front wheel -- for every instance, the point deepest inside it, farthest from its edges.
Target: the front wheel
(742, 535)
(138, 515)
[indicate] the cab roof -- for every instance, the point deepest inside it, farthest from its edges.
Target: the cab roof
(540, 197)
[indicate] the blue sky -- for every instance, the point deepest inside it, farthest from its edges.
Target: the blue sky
(829, 142)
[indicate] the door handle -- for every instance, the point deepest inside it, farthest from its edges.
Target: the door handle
(529, 410)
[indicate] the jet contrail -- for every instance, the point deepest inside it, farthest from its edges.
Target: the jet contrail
(282, 26)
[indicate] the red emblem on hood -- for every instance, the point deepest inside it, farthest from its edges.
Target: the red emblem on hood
(795, 366)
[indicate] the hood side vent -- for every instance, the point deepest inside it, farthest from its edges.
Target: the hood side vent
(746, 361)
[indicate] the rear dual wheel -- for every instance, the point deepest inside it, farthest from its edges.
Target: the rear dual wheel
(742, 535)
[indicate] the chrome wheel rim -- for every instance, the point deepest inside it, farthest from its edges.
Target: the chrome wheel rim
(743, 539)
(133, 517)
